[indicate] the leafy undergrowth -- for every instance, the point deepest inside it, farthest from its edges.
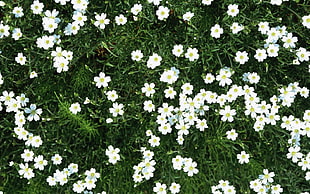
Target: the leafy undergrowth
(156, 96)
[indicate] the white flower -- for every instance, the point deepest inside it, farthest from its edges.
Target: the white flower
(36, 141)
(294, 154)
(209, 78)
(45, 42)
(79, 18)
(117, 109)
(148, 106)
(273, 35)
(232, 134)
(154, 61)
(275, 2)
(227, 114)
(4, 30)
(187, 89)
(109, 120)
(51, 181)
(78, 187)
(56, 159)
(243, 157)
(190, 168)
(27, 155)
(16, 34)
(49, 24)
(216, 31)
(263, 27)
(72, 28)
(207, 2)
(160, 188)
(40, 163)
(61, 64)
(33, 74)
(242, 57)
(75, 108)
(192, 54)
(188, 16)
(155, 2)
(148, 89)
(165, 128)
(21, 59)
(92, 174)
(102, 80)
(272, 50)
(175, 188)
(232, 10)
(177, 50)
(267, 176)
(136, 55)
(303, 54)
(34, 113)
(306, 21)
(120, 20)
(289, 41)
(235, 28)
(276, 189)
(101, 20)
(112, 95)
(37, 7)
(162, 12)
(80, 5)
(260, 55)
(170, 93)
(224, 77)
(253, 78)
(154, 141)
(168, 76)
(136, 9)
(113, 154)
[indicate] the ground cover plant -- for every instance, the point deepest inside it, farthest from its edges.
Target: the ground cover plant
(198, 96)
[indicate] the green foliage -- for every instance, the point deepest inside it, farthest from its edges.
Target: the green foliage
(83, 138)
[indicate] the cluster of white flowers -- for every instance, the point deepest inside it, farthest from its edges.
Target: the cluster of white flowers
(223, 187)
(185, 164)
(224, 76)
(113, 154)
(145, 169)
(191, 53)
(162, 188)
(61, 59)
(16, 104)
(117, 108)
(264, 184)
(181, 117)
(61, 177)
(272, 47)
(298, 128)
(252, 78)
